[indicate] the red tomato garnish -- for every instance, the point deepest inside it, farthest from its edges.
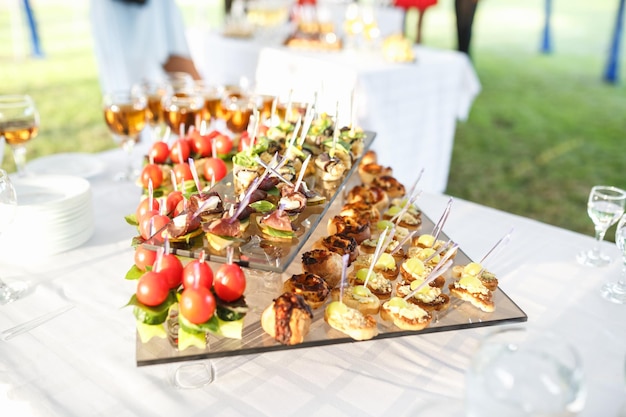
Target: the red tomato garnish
(152, 223)
(244, 142)
(200, 145)
(223, 144)
(143, 207)
(172, 201)
(151, 172)
(172, 268)
(152, 288)
(180, 151)
(229, 282)
(182, 172)
(144, 258)
(159, 152)
(215, 167)
(197, 273)
(197, 304)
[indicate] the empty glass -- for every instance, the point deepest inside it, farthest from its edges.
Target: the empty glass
(520, 372)
(604, 206)
(616, 291)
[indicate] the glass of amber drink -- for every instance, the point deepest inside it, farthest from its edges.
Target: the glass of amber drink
(19, 123)
(182, 108)
(212, 95)
(125, 113)
(238, 107)
(155, 91)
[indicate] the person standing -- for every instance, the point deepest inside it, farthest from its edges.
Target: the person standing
(465, 11)
(138, 39)
(421, 6)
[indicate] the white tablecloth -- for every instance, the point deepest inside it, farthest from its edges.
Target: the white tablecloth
(412, 107)
(83, 362)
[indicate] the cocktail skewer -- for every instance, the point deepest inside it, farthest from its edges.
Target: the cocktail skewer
(377, 252)
(442, 220)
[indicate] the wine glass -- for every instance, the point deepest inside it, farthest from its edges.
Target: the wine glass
(125, 113)
(616, 291)
(155, 91)
(605, 206)
(19, 123)
(182, 108)
(212, 95)
(519, 372)
(8, 208)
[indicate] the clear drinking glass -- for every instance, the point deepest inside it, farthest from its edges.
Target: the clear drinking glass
(518, 372)
(19, 123)
(616, 291)
(605, 206)
(8, 208)
(155, 91)
(125, 113)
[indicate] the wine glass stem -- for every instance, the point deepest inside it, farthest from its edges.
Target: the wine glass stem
(621, 282)
(599, 238)
(19, 156)
(129, 146)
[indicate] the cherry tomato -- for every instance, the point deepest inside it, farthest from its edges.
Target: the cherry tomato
(152, 288)
(180, 151)
(172, 268)
(229, 282)
(182, 172)
(152, 223)
(159, 152)
(197, 304)
(143, 207)
(223, 144)
(200, 145)
(144, 258)
(151, 172)
(244, 142)
(216, 167)
(197, 273)
(172, 201)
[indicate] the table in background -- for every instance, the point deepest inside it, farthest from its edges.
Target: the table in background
(224, 59)
(412, 107)
(83, 362)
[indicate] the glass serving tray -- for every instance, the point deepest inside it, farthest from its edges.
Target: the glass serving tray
(264, 286)
(257, 253)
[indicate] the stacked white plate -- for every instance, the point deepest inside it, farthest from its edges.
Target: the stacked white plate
(54, 214)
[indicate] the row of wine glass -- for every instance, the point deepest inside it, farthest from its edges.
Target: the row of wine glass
(180, 103)
(605, 207)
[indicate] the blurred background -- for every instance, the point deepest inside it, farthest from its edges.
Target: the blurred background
(545, 128)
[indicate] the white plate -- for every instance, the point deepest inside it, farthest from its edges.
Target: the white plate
(49, 192)
(79, 164)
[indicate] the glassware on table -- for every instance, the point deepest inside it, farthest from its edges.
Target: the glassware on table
(212, 95)
(605, 206)
(155, 91)
(616, 291)
(8, 208)
(520, 372)
(237, 107)
(19, 123)
(182, 108)
(125, 113)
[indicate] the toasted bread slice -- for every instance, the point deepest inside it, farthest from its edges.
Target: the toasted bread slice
(310, 286)
(357, 297)
(479, 299)
(430, 299)
(350, 321)
(324, 263)
(405, 315)
(287, 319)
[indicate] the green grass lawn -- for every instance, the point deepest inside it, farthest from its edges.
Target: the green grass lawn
(543, 130)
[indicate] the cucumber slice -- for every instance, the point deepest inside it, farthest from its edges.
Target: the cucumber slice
(148, 331)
